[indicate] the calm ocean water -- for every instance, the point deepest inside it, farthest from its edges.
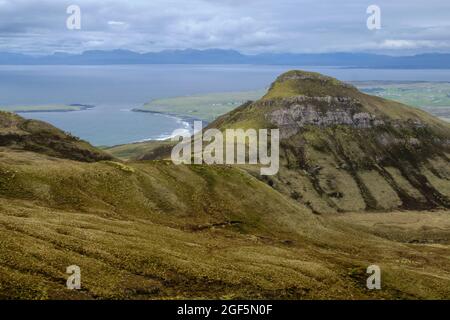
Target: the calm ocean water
(114, 90)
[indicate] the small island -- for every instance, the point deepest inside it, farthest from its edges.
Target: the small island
(47, 108)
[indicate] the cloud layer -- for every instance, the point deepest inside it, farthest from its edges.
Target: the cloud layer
(251, 26)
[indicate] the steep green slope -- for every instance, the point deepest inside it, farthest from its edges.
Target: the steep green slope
(343, 150)
(153, 230)
(147, 150)
(21, 134)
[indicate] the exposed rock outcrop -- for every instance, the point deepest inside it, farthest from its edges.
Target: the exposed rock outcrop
(302, 111)
(343, 150)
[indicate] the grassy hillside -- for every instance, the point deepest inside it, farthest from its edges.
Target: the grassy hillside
(134, 151)
(155, 230)
(343, 150)
(431, 97)
(20, 134)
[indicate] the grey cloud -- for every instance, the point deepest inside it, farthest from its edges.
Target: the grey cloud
(250, 26)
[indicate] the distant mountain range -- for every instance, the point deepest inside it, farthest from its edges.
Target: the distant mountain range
(219, 56)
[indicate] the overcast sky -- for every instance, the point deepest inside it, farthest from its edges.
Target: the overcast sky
(250, 26)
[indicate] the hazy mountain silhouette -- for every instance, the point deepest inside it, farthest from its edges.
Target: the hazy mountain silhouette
(220, 56)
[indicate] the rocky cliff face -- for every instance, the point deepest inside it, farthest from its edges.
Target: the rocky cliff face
(293, 114)
(342, 150)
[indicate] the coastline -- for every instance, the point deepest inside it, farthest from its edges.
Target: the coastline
(182, 117)
(186, 121)
(76, 106)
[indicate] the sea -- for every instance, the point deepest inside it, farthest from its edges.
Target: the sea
(116, 89)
